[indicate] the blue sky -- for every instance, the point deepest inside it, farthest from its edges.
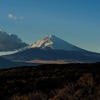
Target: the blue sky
(76, 21)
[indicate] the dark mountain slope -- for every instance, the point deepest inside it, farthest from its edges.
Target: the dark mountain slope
(35, 53)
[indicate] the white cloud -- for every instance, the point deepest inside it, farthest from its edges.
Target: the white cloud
(11, 16)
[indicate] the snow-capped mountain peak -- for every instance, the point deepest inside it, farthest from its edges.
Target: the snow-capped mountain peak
(44, 42)
(54, 42)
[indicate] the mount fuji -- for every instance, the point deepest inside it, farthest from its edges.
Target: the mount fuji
(53, 42)
(52, 48)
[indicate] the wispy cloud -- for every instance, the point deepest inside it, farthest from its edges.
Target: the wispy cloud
(11, 16)
(21, 17)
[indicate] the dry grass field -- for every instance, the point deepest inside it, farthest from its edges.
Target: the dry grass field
(51, 82)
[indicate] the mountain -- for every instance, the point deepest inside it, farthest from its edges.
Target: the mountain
(5, 63)
(54, 48)
(56, 43)
(10, 42)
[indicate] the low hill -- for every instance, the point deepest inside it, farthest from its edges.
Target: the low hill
(5, 63)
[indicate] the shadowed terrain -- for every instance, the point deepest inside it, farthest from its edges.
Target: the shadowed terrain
(51, 82)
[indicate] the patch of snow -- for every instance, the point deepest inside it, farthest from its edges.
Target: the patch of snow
(54, 42)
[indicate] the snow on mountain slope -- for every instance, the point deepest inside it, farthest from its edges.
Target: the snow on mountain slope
(54, 42)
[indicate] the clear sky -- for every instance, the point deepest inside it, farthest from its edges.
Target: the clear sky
(76, 21)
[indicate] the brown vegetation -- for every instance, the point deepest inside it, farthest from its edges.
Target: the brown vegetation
(51, 82)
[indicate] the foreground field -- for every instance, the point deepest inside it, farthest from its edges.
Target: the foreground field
(51, 82)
